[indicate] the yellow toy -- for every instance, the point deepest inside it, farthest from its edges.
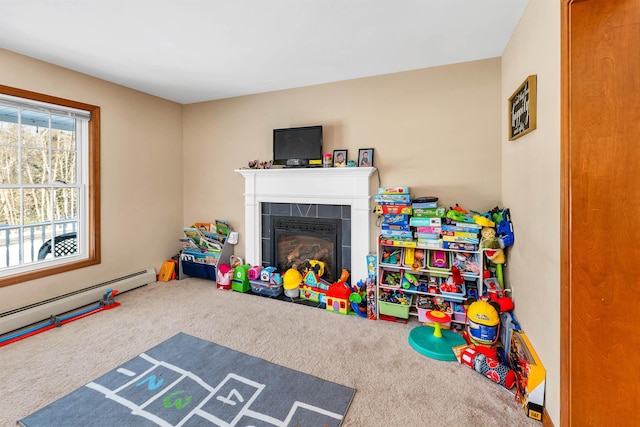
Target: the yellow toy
(291, 282)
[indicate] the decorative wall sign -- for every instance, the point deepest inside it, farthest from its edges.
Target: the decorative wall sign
(522, 109)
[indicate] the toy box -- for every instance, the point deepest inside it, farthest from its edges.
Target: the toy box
(372, 265)
(431, 243)
(396, 234)
(459, 246)
(530, 374)
(393, 190)
(395, 227)
(395, 219)
(396, 209)
(429, 212)
(401, 199)
(425, 222)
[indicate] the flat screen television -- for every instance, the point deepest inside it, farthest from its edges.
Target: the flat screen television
(298, 147)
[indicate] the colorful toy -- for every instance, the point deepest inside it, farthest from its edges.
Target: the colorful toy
(439, 260)
(317, 266)
(491, 368)
(313, 288)
(372, 312)
(106, 303)
(338, 298)
(409, 281)
(224, 277)
(240, 282)
(358, 299)
(265, 273)
(454, 283)
(291, 282)
(391, 256)
(433, 341)
(483, 323)
(254, 272)
(275, 278)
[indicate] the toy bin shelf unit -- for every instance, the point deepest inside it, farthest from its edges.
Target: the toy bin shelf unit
(413, 280)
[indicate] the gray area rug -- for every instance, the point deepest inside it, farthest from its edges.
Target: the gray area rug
(186, 381)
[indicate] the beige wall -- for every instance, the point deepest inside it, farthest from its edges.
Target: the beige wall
(531, 188)
(436, 130)
(141, 172)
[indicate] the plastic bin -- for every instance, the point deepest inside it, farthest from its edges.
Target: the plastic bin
(264, 288)
(396, 309)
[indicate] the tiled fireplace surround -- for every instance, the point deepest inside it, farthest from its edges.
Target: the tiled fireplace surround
(303, 192)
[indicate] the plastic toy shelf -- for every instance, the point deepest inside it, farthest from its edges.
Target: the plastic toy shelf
(418, 271)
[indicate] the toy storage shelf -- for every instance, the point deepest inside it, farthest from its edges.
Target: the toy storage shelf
(425, 273)
(201, 270)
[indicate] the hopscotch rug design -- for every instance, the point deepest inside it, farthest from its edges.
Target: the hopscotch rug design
(187, 381)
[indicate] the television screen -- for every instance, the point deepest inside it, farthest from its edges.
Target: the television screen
(297, 146)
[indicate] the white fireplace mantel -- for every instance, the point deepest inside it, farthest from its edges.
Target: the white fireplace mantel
(322, 186)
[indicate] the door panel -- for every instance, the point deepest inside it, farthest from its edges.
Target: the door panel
(601, 213)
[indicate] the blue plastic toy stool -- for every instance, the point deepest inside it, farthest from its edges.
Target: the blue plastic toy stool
(433, 341)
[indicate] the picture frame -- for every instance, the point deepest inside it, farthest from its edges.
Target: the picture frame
(522, 109)
(365, 157)
(339, 158)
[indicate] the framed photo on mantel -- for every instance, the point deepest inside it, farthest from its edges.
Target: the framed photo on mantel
(365, 157)
(339, 158)
(522, 109)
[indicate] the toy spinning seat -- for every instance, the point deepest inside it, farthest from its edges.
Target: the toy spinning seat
(435, 342)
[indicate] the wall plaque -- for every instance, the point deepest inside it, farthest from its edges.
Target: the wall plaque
(522, 109)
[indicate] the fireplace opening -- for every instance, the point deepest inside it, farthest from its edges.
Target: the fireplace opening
(296, 241)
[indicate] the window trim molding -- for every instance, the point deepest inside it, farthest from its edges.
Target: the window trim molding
(93, 226)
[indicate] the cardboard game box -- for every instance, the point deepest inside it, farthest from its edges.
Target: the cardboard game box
(530, 374)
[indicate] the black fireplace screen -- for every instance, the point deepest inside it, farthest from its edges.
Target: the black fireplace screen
(298, 240)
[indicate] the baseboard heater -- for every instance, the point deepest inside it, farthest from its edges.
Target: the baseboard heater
(37, 312)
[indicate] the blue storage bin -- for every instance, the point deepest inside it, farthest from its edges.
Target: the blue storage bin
(197, 269)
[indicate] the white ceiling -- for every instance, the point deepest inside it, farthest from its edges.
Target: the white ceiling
(198, 50)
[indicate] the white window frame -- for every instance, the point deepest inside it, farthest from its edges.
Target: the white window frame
(87, 182)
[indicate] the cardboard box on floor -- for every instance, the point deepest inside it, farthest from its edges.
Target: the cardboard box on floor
(530, 373)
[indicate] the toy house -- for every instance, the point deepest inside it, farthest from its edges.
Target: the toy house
(313, 288)
(338, 298)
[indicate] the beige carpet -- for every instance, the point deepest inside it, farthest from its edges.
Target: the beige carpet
(396, 386)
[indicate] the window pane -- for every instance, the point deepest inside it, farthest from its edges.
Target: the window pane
(8, 126)
(9, 247)
(63, 135)
(37, 205)
(11, 203)
(63, 167)
(35, 128)
(66, 204)
(8, 165)
(35, 166)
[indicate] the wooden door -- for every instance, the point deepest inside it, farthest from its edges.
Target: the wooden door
(600, 269)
